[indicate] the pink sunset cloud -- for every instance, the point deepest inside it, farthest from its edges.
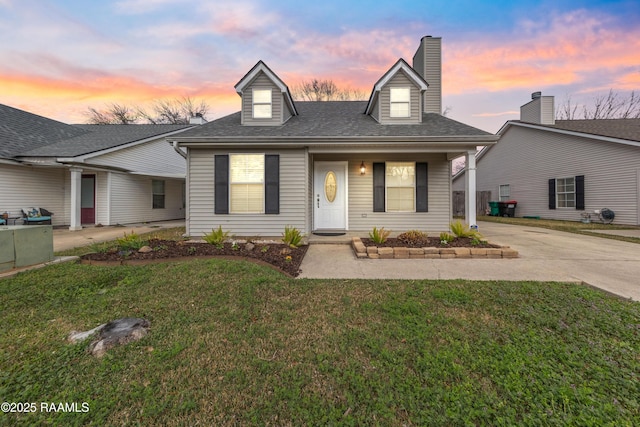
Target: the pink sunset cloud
(571, 48)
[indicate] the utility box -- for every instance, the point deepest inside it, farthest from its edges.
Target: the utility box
(22, 245)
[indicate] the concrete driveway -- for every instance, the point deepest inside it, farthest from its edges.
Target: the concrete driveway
(545, 255)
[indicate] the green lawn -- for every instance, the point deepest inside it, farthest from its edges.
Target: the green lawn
(233, 343)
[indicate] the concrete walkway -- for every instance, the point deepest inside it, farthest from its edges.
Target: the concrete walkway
(545, 255)
(64, 239)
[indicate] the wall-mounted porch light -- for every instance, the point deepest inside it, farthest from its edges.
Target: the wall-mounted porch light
(363, 168)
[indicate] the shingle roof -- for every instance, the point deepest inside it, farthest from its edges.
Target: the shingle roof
(614, 128)
(101, 137)
(332, 119)
(22, 131)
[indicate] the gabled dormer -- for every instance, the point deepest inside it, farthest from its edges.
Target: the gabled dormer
(397, 97)
(266, 100)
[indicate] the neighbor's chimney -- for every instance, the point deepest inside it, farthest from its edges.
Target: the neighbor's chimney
(197, 120)
(539, 110)
(427, 61)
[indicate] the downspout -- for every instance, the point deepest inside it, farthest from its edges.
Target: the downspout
(178, 150)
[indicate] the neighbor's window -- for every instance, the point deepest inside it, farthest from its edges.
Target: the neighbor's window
(261, 103)
(505, 192)
(566, 192)
(401, 186)
(246, 183)
(400, 97)
(157, 188)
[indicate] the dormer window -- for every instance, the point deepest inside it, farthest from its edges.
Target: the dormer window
(400, 97)
(262, 103)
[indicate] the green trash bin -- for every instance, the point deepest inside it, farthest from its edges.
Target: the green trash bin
(494, 209)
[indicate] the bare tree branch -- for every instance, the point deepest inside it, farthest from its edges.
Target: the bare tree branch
(609, 106)
(176, 111)
(325, 90)
(114, 114)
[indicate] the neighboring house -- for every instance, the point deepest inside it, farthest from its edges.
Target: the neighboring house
(89, 174)
(329, 166)
(560, 169)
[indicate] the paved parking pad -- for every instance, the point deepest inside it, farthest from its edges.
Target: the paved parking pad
(545, 255)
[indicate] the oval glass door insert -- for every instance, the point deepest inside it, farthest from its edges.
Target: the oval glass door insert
(330, 186)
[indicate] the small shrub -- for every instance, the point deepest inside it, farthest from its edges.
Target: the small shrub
(130, 242)
(216, 237)
(413, 237)
(462, 230)
(446, 238)
(379, 236)
(292, 236)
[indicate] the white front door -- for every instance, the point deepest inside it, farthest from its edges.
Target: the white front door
(330, 196)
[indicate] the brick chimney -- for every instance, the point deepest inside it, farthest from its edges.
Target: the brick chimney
(540, 110)
(427, 61)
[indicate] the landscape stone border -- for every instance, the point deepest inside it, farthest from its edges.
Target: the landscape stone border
(374, 252)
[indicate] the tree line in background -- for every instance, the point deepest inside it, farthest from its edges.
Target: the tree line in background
(609, 106)
(174, 112)
(180, 110)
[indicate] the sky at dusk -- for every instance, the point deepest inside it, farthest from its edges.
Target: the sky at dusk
(59, 57)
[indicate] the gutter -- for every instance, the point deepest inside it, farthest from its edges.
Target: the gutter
(178, 150)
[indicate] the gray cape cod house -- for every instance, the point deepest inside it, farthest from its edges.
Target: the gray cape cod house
(563, 169)
(329, 166)
(89, 174)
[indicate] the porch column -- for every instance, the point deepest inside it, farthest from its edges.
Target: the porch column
(76, 198)
(470, 188)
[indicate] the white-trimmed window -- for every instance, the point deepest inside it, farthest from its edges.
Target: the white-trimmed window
(505, 192)
(400, 100)
(262, 104)
(157, 189)
(246, 183)
(566, 192)
(400, 182)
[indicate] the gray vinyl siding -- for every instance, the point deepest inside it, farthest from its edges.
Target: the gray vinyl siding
(24, 187)
(360, 195)
(427, 62)
(540, 110)
(277, 116)
(294, 197)
(527, 158)
(154, 157)
(400, 80)
(132, 199)
(103, 198)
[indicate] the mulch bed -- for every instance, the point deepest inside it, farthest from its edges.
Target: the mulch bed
(460, 242)
(279, 256)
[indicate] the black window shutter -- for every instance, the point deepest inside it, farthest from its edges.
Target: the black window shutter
(579, 192)
(552, 193)
(421, 188)
(272, 184)
(221, 186)
(378, 187)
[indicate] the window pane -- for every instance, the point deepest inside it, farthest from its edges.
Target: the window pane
(400, 199)
(262, 96)
(400, 94)
(247, 168)
(247, 198)
(399, 110)
(158, 201)
(262, 111)
(246, 183)
(158, 187)
(400, 174)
